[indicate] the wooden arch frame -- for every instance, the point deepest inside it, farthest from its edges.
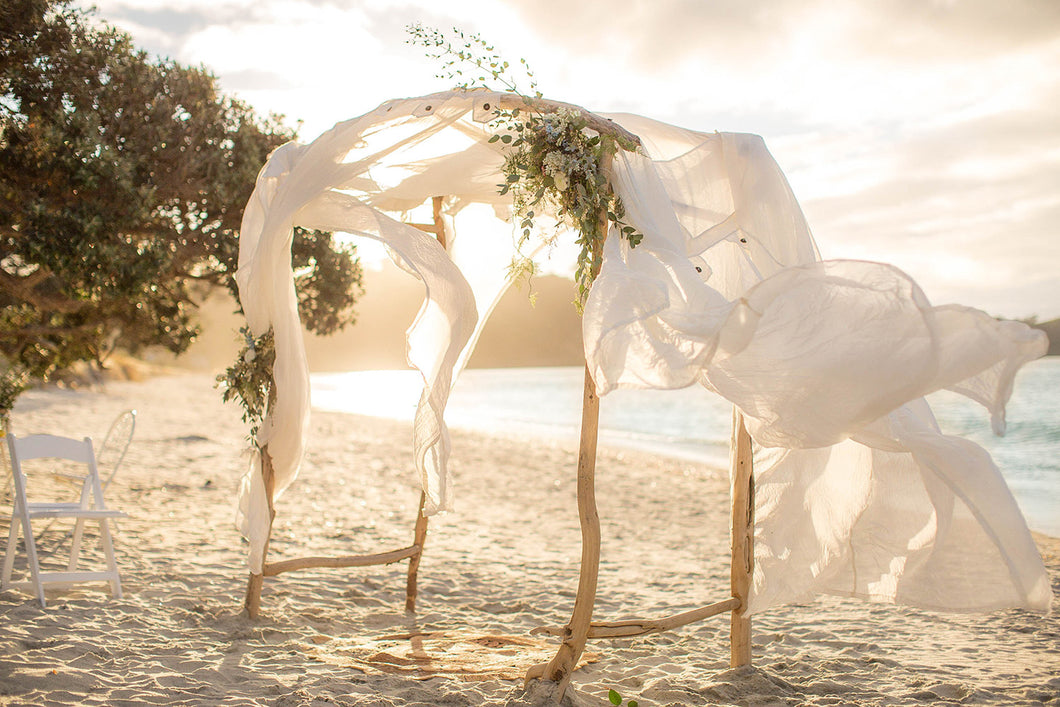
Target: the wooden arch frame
(580, 628)
(413, 553)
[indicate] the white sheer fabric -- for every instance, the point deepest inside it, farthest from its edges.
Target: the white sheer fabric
(859, 493)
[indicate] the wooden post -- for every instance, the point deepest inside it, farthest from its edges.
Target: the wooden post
(439, 225)
(743, 525)
(419, 539)
(561, 666)
(419, 533)
(252, 601)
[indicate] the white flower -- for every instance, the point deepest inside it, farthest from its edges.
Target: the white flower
(553, 162)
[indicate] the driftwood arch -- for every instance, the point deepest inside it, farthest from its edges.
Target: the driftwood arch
(413, 552)
(727, 289)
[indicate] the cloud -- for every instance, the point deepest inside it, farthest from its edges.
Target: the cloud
(969, 210)
(922, 132)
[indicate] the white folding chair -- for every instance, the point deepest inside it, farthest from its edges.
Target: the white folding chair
(90, 507)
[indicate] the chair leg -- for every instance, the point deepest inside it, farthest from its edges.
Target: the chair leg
(112, 563)
(9, 553)
(34, 566)
(75, 547)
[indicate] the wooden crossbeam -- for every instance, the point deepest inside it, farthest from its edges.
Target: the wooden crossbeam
(438, 227)
(643, 627)
(380, 558)
(603, 126)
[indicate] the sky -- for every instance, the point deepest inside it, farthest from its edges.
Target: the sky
(922, 133)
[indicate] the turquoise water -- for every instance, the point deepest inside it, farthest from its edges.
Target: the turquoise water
(693, 424)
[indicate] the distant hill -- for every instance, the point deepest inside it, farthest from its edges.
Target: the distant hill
(1052, 330)
(518, 334)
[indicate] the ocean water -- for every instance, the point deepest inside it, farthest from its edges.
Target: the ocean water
(693, 424)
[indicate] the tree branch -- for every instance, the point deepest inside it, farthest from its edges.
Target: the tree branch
(23, 288)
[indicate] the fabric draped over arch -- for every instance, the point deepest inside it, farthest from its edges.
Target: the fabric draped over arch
(859, 493)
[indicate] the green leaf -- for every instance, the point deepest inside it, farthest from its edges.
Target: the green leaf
(495, 138)
(632, 703)
(614, 698)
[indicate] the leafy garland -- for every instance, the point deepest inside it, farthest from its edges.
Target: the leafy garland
(250, 378)
(554, 159)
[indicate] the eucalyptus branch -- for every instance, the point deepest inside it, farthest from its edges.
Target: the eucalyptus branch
(462, 52)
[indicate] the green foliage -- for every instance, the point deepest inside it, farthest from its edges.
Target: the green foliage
(249, 380)
(122, 184)
(13, 380)
(616, 699)
(555, 163)
(459, 52)
(553, 157)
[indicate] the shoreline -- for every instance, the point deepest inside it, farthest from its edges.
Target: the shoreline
(502, 565)
(480, 406)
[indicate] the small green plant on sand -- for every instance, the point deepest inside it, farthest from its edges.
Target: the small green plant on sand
(616, 699)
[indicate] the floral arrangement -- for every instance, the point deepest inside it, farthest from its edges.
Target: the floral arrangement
(554, 160)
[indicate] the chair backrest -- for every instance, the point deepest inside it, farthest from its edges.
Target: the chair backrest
(115, 444)
(48, 446)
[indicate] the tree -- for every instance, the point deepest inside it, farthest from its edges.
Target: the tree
(122, 184)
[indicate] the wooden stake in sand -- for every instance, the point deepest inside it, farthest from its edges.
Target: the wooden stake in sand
(743, 526)
(413, 553)
(252, 601)
(419, 538)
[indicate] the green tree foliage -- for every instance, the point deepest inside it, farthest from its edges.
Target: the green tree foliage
(122, 185)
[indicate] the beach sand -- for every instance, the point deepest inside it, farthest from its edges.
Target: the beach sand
(504, 563)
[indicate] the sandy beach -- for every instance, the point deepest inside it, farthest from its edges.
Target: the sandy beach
(504, 564)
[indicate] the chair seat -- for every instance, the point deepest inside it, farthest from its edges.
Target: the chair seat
(70, 510)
